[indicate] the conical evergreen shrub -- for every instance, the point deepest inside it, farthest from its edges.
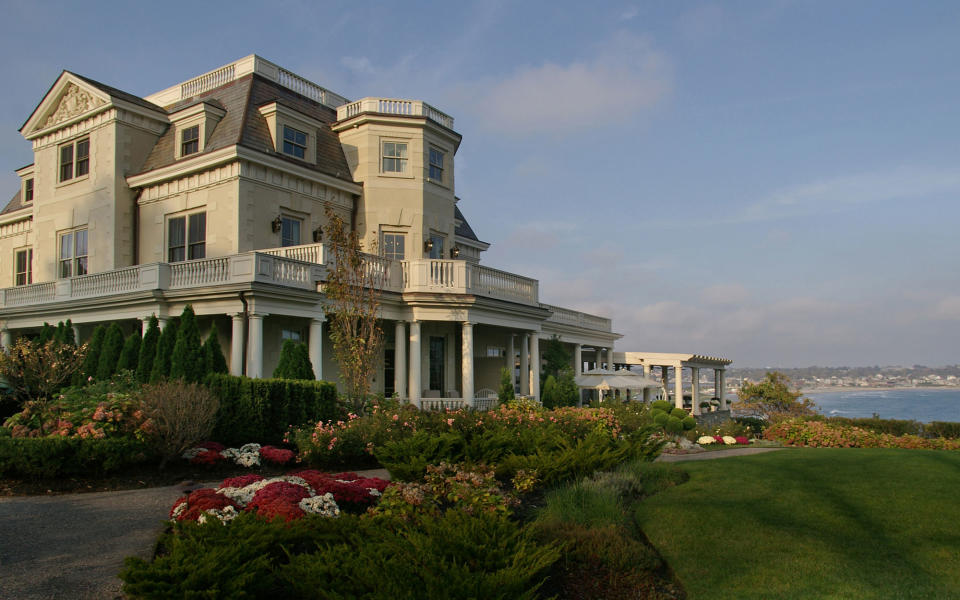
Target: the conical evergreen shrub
(187, 360)
(68, 337)
(46, 334)
(161, 361)
(110, 355)
(58, 333)
(130, 355)
(294, 362)
(92, 360)
(148, 350)
(303, 364)
(213, 359)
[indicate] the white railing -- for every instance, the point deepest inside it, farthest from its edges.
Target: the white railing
(311, 253)
(578, 319)
(501, 284)
(207, 81)
(291, 272)
(109, 282)
(394, 106)
(193, 273)
(25, 295)
(307, 88)
(436, 404)
(461, 277)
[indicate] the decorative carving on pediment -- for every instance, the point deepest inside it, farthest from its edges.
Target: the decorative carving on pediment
(73, 102)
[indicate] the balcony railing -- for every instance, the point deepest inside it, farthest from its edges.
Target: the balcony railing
(578, 319)
(461, 277)
(394, 106)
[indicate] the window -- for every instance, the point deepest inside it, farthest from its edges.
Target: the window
(495, 352)
(290, 231)
(393, 245)
(73, 253)
(187, 237)
(290, 334)
(436, 251)
(23, 260)
(28, 191)
(436, 165)
(190, 140)
(394, 157)
(294, 142)
(74, 159)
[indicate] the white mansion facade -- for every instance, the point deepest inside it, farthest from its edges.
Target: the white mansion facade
(211, 193)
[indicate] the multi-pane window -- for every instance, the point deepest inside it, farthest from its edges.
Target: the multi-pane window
(290, 334)
(290, 231)
(74, 159)
(436, 248)
(187, 237)
(23, 260)
(190, 140)
(73, 253)
(294, 142)
(436, 165)
(28, 191)
(393, 246)
(394, 157)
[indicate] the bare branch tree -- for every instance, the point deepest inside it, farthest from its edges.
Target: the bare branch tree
(353, 290)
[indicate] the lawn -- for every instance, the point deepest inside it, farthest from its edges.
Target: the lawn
(813, 523)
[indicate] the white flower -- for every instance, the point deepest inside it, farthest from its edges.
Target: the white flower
(178, 509)
(323, 505)
(250, 448)
(230, 453)
(729, 440)
(248, 460)
(374, 492)
(244, 495)
(705, 439)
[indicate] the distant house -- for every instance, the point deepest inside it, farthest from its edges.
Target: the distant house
(211, 193)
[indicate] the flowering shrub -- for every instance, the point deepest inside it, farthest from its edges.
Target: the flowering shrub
(105, 409)
(288, 497)
(248, 455)
(825, 434)
(705, 440)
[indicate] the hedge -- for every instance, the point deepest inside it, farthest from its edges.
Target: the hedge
(264, 409)
(61, 456)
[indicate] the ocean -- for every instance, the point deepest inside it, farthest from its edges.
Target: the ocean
(918, 404)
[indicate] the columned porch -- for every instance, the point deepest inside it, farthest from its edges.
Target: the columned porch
(667, 362)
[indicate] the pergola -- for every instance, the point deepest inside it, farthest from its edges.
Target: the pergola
(694, 362)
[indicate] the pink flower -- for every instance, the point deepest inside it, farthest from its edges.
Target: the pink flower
(450, 422)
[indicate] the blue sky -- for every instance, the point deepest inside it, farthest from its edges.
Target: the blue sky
(774, 182)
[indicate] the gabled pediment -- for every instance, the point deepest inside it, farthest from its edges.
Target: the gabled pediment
(69, 99)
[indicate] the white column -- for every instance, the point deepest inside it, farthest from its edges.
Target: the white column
(524, 364)
(400, 358)
(599, 351)
(144, 325)
(162, 321)
(466, 362)
(415, 363)
(236, 344)
(678, 386)
(695, 389)
(255, 345)
(722, 388)
(6, 338)
(647, 392)
(610, 358)
(316, 346)
(511, 359)
(535, 365)
(577, 360)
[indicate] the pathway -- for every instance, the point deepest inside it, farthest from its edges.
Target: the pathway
(713, 454)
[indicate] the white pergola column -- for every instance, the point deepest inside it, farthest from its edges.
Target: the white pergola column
(255, 345)
(535, 366)
(695, 389)
(722, 388)
(466, 362)
(415, 358)
(525, 364)
(610, 364)
(316, 346)
(6, 338)
(577, 360)
(76, 333)
(647, 392)
(236, 344)
(678, 385)
(400, 358)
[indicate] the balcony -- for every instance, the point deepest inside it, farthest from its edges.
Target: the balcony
(566, 316)
(394, 106)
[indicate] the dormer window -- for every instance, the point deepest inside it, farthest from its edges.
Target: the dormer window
(28, 191)
(74, 159)
(294, 142)
(190, 140)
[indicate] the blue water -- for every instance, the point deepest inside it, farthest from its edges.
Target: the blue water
(918, 404)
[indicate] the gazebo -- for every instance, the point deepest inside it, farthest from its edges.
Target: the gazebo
(605, 380)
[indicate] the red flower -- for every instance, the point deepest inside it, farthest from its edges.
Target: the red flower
(241, 481)
(276, 455)
(206, 458)
(215, 446)
(201, 500)
(742, 440)
(279, 499)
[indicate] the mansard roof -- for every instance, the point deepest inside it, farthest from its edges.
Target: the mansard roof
(15, 204)
(244, 125)
(463, 228)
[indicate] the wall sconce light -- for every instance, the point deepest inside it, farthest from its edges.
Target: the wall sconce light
(455, 252)
(428, 245)
(275, 224)
(318, 234)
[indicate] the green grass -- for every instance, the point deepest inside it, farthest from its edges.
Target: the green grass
(813, 523)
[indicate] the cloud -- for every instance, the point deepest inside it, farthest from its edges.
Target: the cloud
(702, 22)
(725, 293)
(629, 13)
(839, 194)
(948, 308)
(625, 78)
(359, 65)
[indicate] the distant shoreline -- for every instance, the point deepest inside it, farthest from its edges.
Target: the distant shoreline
(848, 388)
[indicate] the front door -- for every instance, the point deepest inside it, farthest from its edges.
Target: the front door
(437, 358)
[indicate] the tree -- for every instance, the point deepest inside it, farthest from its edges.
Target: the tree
(548, 395)
(68, 337)
(37, 371)
(213, 359)
(130, 353)
(148, 350)
(46, 334)
(184, 414)
(775, 397)
(506, 392)
(186, 362)
(354, 311)
(568, 392)
(555, 358)
(294, 362)
(110, 354)
(92, 358)
(161, 361)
